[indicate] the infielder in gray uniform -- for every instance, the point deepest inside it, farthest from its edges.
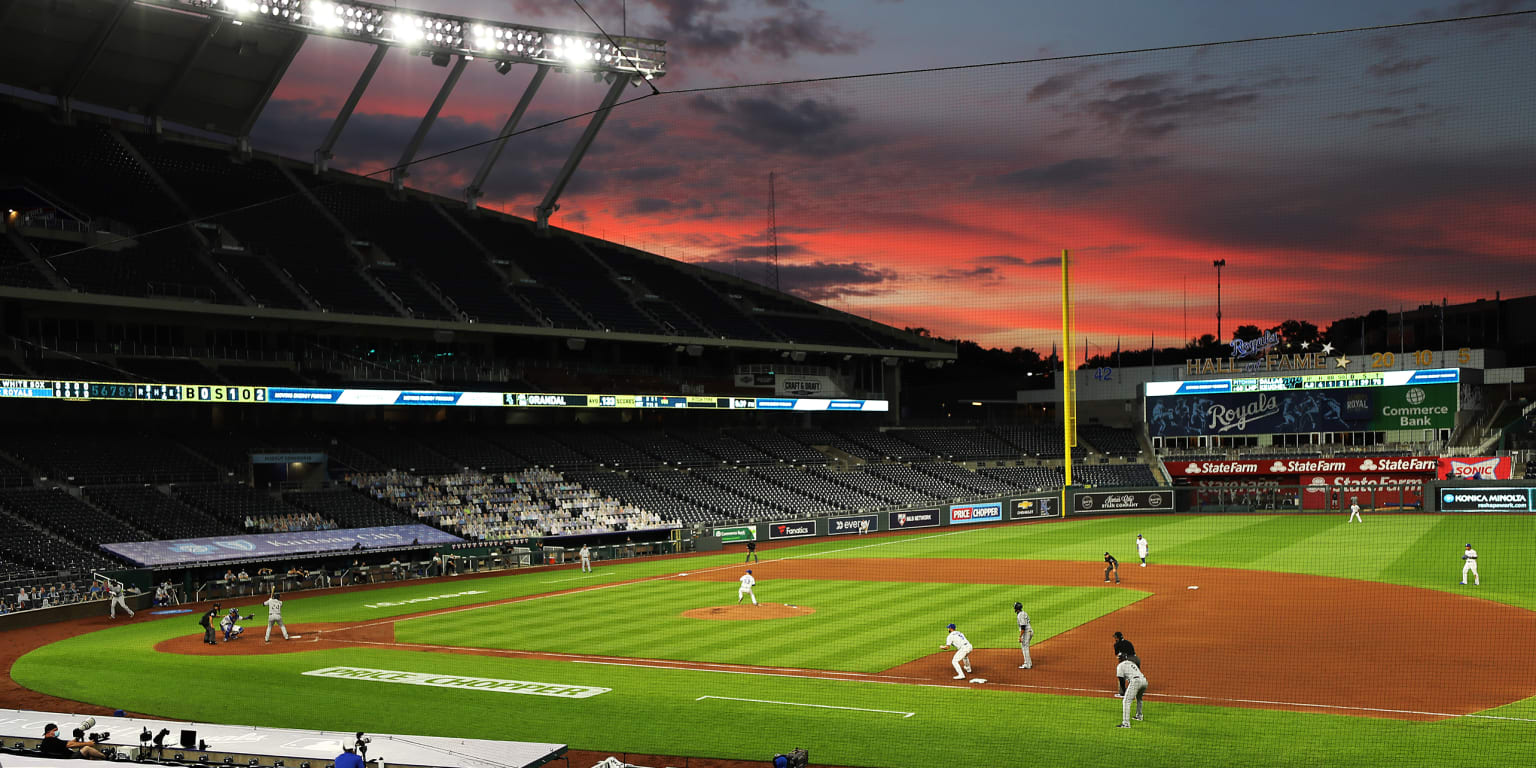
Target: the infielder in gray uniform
(1135, 688)
(1026, 633)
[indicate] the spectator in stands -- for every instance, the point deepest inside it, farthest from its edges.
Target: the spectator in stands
(23, 599)
(396, 568)
(349, 758)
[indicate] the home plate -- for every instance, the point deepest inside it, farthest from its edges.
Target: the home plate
(978, 679)
(1193, 587)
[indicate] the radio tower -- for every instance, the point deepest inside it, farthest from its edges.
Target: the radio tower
(772, 265)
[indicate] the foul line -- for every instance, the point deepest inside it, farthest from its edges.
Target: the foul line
(818, 706)
(573, 578)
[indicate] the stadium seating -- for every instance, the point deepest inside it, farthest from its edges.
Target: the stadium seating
(1113, 474)
(108, 457)
(16, 269)
(778, 446)
(68, 516)
(1109, 440)
(347, 508)
(1025, 478)
(819, 486)
(958, 444)
(151, 510)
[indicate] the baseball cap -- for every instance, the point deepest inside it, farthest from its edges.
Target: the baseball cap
(949, 626)
(1018, 606)
(749, 570)
(50, 727)
(1469, 546)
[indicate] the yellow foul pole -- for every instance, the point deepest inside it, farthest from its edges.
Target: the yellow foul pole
(1068, 380)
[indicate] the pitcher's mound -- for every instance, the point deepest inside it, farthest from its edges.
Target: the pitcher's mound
(748, 612)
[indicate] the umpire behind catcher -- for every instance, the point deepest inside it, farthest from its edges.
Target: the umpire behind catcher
(209, 622)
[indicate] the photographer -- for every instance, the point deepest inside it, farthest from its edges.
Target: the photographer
(86, 748)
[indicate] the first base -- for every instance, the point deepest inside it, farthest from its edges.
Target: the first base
(1193, 587)
(978, 680)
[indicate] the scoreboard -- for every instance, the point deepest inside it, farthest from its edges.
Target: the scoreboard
(1282, 383)
(91, 391)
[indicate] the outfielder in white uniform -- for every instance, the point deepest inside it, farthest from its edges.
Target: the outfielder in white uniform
(962, 646)
(1354, 510)
(747, 580)
(586, 559)
(1135, 688)
(1141, 549)
(1469, 563)
(118, 601)
(274, 606)
(1026, 633)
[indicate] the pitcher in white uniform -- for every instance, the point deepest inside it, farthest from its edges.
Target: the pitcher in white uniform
(1135, 688)
(962, 646)
(1141, 549)
(747, 580)
(1469, 564)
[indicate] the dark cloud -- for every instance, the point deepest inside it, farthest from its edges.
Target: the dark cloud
(707, 105)
(697, 29)
(974, 274)
(817, 281)
(1392, 67)
(799, 28)
(1014, 261)
(1078, 174)
(1139, 82)
(1055, 85)
(1393, 117)
(1154, 113)
(805, 127)
(647, 173)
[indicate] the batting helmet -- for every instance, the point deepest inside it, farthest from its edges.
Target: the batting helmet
(1017, 606)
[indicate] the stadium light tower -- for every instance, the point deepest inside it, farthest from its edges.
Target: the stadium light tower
(619, 60)
(1218, 264)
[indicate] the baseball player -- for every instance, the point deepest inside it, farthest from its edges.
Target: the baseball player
(1469, 563)
(1354, 510)
(1026, 633)
(962, 646)
(1141, 549)
(586, 559)
(1123, 647)
(231, 627)
(747, 580)
(1111, 564)
(274, 606)
(1135, 687)
(115, 591)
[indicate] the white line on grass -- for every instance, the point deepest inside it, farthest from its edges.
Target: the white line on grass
(529, 598)
(818, 706)
(573, 578)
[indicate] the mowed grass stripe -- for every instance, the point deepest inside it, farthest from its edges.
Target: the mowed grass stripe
(1238, 547)
(858, 626)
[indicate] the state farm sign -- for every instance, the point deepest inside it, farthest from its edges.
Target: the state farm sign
(1351, 466)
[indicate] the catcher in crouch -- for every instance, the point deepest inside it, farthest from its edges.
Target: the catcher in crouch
(230, 626)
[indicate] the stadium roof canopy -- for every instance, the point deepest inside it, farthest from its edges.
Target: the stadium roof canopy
(211, 65)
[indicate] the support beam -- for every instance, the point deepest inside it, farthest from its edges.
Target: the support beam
(270, 86)
(477, 187)
(398, 174)
(179, 75)
(92, 51)
(549, 206)
(323, 153)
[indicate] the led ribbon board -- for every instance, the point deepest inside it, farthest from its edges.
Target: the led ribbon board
(89, 391)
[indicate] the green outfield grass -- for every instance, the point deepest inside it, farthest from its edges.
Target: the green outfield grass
(858, 626)
(659, 710)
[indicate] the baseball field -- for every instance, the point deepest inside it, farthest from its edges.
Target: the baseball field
(1266, 640)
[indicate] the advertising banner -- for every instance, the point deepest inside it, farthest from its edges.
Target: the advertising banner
(1353, 409)
(1256, 467)
(736, 534)
(798, 529)
(1490, 468)
(1105, 502)
(1040, 506)
(1487, 500)
(208, 550)
(917, 518)
(961, 514)
(838, 526)
(1372, 491)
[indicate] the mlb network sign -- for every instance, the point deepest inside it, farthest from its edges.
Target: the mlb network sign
(961, 514)
(921, 518)
(798, 529)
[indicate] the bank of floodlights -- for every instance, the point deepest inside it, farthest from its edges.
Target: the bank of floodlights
(439, 33)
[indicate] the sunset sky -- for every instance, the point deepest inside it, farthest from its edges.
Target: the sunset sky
(1335, 174)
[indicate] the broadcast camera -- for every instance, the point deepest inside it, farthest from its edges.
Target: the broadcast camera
(798, 758)
(89, 723)
(361, 745)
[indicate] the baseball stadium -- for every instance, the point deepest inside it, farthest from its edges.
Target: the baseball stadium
(613, 384)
